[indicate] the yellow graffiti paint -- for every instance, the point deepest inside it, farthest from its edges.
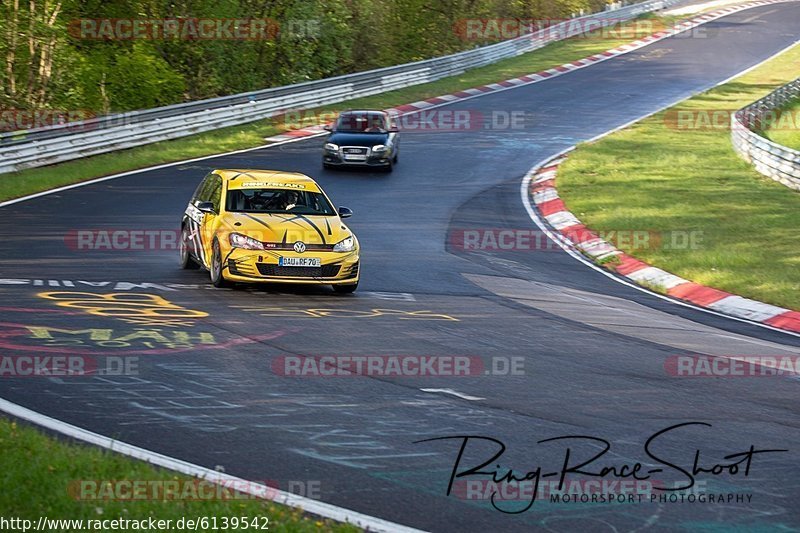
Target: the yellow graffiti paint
(107, 338)
(135, 308)
(297, 312)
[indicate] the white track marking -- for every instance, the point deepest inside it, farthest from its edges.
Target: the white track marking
(147, 169)
(319, 508)
(568, 248)
(403, 296)
(454, 393)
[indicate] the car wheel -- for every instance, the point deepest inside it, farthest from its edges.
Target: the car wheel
(389, 167)
(345, 289)
(187, 263)
(327, 166)
(396, 157)
(217, 277)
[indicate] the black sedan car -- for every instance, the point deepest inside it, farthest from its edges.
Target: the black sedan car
(362, 138)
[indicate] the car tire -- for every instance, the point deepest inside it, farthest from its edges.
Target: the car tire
(327, 166)
(187, 263)
(217, 277)
(389, 167)
(396, 157)
(345, 289)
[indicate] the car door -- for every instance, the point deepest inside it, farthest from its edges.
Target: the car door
(209, 222)
(193, 219)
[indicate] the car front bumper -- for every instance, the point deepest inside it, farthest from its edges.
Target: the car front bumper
(372, 159)
(251, 266)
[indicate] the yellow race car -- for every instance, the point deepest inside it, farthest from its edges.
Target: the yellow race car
(268, 226)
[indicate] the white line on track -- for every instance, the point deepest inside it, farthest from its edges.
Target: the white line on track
(755, 17)
(454, 393)
(319, 508)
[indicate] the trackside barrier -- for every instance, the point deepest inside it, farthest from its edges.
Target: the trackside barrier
(64, 142)
(768, 157)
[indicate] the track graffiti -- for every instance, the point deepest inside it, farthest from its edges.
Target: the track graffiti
(134, 308)
(300, 312)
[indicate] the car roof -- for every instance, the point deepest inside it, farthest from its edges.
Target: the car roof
(267, 179)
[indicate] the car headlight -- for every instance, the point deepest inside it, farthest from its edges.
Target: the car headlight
(243, 241)
(331, 147)
(379, 148)
(346, 245)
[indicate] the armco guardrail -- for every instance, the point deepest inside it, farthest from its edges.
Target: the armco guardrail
(769, 158)
(44, 146)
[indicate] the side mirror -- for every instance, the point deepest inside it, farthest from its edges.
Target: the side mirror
(345, 212)
(327, 127)
(206, 207)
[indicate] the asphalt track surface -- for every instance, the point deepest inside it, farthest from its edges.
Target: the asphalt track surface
(593, 350)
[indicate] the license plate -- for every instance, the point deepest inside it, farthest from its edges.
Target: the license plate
(354, 157)
(300, 261)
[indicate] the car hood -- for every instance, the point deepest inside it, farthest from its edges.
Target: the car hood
(358, 139)
(288, 228)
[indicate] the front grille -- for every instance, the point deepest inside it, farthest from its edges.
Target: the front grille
(290, 246)
(325, 271)
(357, 150)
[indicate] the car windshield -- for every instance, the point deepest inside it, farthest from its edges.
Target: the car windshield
(361, 123)
(290, 201)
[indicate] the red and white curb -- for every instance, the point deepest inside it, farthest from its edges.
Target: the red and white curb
(543, 75)
(571, 232)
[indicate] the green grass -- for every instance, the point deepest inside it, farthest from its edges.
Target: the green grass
(36, 471)
(25, 182)
(652, 176)
(787, 129)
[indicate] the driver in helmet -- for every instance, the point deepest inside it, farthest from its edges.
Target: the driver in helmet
(291, 198)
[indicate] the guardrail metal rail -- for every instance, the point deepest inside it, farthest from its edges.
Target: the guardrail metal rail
(768, 157)
(54, 144)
